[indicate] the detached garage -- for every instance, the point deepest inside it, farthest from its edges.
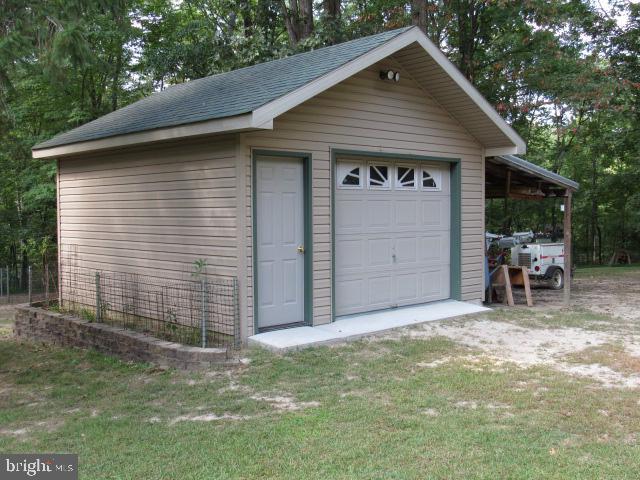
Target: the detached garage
(330, 184)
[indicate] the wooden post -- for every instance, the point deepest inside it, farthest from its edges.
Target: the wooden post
(567, 248)
(507, 192)
(527, 287)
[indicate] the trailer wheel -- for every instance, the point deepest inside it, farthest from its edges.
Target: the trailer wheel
(557, 279)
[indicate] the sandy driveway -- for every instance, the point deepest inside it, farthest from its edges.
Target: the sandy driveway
(597, 338)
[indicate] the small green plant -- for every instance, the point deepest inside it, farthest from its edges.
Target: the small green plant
(87, 314)
(199, 268)
(54, 307)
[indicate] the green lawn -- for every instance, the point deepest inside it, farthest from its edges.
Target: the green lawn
(606, 271)
(367, 410)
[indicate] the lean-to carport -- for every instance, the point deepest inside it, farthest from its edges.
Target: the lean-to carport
(511, 177)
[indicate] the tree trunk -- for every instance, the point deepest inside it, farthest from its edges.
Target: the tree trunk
(623, 224)
(419, 14)
(594, 207)
(554, 220)
(298, 19)
(306, 15)
(247, 19)
(24, 274)
(468, 12)
(331, 9)
(115, 86)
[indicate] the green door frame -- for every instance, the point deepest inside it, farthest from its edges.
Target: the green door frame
(455, 259)
(306, 159)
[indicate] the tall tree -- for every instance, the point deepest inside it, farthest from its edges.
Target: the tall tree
(298, 17)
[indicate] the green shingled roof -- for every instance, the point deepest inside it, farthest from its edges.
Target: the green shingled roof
(223, 95)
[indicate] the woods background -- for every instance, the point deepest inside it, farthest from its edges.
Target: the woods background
(565, 74)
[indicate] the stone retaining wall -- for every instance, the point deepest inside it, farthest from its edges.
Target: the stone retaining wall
(39, 325)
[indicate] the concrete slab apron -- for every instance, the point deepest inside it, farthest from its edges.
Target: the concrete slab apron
(357, 326)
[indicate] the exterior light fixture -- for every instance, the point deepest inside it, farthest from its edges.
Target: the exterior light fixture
(390, 75)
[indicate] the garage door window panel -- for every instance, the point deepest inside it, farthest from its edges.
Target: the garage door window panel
(431, 180)
(405, 177)
(350, 175)
(378, 177)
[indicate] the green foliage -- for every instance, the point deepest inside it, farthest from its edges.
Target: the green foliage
(199, 268)
(563, 73)
(87, 314)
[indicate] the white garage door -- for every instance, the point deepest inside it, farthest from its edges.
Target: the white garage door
(392, 234)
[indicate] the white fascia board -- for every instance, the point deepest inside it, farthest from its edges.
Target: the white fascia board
(220, 125)
(497, 151)
(285, 103)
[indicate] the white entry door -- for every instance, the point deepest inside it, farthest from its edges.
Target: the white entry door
(280, 240)
(392, 234)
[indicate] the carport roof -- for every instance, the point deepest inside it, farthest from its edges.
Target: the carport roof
(525, 175)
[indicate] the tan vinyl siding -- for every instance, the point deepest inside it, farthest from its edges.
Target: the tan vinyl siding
(153, 210)
(365, 113)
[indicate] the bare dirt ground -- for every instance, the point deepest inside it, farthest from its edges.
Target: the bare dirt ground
(596, 338)
(615, 295)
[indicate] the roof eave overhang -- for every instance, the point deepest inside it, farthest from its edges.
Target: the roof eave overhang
(514, 144)
(238, 123)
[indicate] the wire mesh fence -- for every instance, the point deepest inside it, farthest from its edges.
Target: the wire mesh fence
(28, 284)
(202, 312)
(199, 311)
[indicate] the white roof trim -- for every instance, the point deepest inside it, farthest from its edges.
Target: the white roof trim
(279, 106)
(497, 151)
(219, 125)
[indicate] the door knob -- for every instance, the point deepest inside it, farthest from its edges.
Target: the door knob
(300, 248)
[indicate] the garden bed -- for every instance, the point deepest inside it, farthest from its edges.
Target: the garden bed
(37, 324)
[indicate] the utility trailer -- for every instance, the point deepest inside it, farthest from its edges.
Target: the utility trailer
(544, 261)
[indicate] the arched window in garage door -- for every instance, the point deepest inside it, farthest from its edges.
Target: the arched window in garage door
(431, 180)
(349, 175)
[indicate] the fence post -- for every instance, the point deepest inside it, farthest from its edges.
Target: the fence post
(29, 279)
(1, 282)
(203, 320)
(8, 286)
(98, 299)
(236, 314)
(46, 285)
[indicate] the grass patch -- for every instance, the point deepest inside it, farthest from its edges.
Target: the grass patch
(598, 271)
(613, 356)
(382, 409)
(6, 321)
